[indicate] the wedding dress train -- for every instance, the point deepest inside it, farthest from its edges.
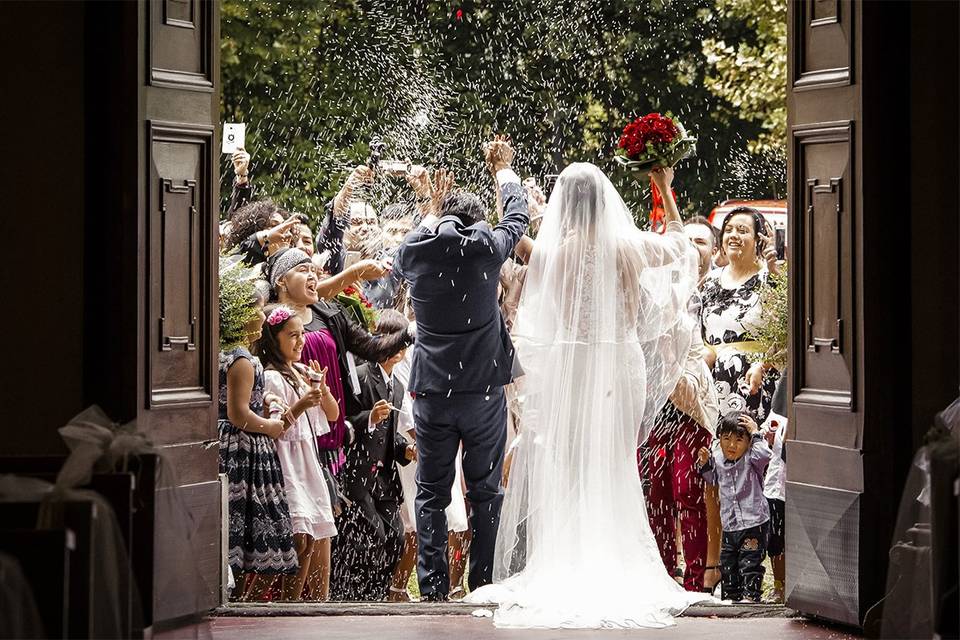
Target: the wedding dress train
(602, 332)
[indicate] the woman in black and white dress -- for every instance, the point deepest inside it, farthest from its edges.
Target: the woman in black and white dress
(731, 309)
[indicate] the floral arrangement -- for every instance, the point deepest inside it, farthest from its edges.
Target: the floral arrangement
(771, 336)
(355, 301)
(278, 315)
(237, 295)
(653, 140)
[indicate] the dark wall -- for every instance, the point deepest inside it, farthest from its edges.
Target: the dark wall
(934, 211)
(42, 171)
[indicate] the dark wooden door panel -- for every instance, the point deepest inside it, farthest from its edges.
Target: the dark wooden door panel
(825, 474)
(823, 40)
(181, 224)
(181, 45)
(178, 258)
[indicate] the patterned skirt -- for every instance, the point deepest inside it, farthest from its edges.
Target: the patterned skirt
(261, 540)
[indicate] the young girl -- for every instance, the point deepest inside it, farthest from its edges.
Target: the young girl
(261, 541)
(307, 406)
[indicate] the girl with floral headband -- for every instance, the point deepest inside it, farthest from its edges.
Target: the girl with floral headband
(260, 535)
(306, 406)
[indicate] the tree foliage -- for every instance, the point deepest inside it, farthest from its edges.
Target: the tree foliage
(315, 79)
(751, 74)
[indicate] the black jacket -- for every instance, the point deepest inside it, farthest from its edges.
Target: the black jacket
(350, 336)
(370, 464)
(452, 272)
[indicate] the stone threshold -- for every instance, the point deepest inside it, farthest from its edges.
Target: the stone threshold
(258, 609)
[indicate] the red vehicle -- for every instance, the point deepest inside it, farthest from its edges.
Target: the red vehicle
(775, 212)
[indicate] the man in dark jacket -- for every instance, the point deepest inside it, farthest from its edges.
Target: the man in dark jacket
(462, 359)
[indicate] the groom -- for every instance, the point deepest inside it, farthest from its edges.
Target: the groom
(462, 358)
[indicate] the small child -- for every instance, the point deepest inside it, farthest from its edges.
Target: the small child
(306, 406)
(774, 489)
(371, 543)
(260, 537)
(736, 463)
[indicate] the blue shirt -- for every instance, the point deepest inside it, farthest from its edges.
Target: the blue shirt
(742, 503)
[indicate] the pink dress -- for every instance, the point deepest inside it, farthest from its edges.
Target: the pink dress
(319, 346)
(307, 495)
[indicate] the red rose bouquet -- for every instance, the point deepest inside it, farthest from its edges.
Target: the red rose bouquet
(362, 310)
(653, 140)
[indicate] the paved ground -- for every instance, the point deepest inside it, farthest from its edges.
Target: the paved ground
(472, 628)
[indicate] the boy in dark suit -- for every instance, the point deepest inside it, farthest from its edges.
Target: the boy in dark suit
(370, 539)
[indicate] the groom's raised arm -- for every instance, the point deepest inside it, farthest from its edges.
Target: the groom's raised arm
(516, 217)
(498, 155)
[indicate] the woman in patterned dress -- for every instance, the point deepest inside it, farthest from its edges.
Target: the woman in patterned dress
(260, 536)
(731, 308)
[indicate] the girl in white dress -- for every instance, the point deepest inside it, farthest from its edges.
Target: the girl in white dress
(307, 406)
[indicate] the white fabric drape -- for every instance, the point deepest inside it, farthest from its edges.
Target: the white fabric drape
(602, 333)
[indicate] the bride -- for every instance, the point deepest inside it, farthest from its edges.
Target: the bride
(602, 332)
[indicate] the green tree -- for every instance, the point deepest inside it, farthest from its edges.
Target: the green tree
(751, 74)
(315, 80)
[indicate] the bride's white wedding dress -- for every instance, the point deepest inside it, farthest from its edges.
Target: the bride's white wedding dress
(602, 332)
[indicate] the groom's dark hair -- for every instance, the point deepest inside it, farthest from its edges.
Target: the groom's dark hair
(464, 205)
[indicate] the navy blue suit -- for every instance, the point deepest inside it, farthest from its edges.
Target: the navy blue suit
(461, 359)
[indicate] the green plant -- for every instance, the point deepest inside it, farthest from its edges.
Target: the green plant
(772, 334)
(237, 296)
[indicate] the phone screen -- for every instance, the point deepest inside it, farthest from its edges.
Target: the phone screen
(781, 243)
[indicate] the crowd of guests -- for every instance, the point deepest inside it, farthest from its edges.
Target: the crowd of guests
(316, 431)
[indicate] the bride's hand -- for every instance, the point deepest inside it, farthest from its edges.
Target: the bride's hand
(662, 177)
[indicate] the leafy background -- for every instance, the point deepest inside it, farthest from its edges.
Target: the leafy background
(315, 79)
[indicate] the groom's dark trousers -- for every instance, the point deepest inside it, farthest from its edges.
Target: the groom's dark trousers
(462, 358)
(479, 421)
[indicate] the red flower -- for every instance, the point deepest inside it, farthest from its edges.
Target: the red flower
(652, 128)
(349, 291)
(459, 14)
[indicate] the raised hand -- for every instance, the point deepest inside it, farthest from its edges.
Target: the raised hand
(536, 201)
(498, 153)
(281, 235)
(241, 164)
(749, 424)
(318, 375)
(419, 180)
(443, 181)
(662, 177)
(768, 248)
(370, 269)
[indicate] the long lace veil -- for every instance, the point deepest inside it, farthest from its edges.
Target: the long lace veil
(602, 331)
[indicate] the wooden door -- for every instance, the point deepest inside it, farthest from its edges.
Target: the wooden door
(825, 478)
(178, 267)
(151, 267)
(872, 170)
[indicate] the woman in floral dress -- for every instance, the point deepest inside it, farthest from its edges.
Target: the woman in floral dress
(731, 309)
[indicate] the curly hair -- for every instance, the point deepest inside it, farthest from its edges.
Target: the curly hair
(250, 218)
